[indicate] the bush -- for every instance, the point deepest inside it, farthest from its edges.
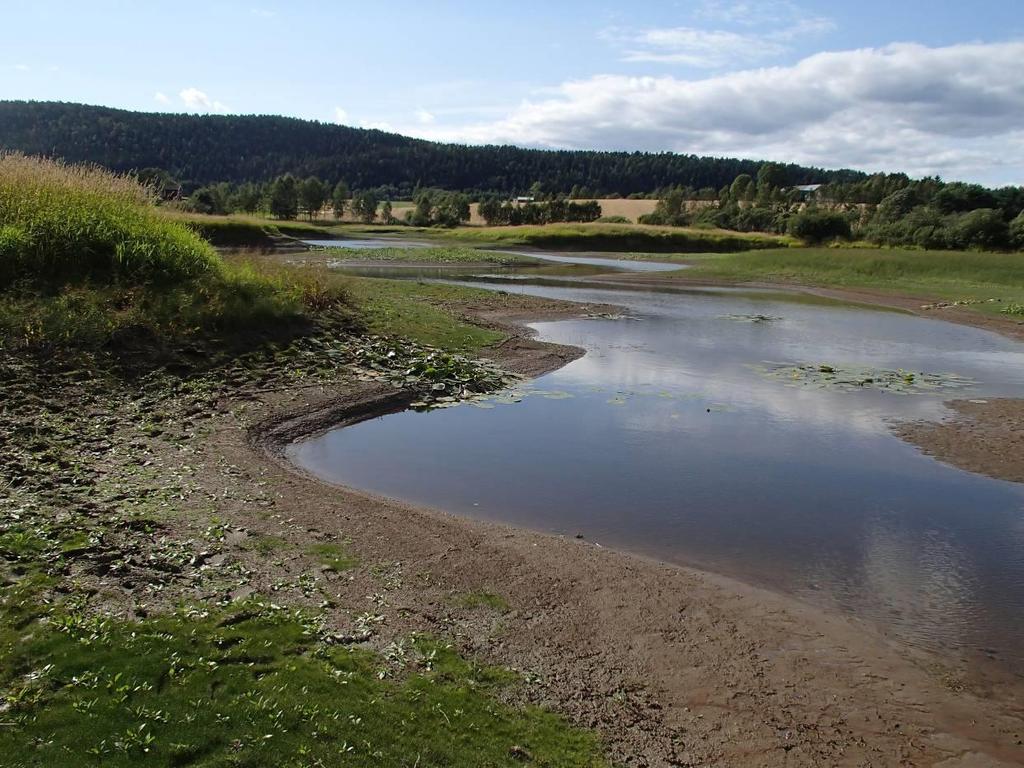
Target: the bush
(814, 226)
(982, 228)
(1016, 232)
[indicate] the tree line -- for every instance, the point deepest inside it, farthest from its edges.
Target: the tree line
(884, 209)
(497, 213)
(201, 150)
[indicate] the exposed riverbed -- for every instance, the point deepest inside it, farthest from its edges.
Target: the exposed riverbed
(742, 432)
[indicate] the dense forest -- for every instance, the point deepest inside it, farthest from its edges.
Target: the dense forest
(200, 150)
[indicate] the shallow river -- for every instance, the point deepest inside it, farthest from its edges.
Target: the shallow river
(682, 434)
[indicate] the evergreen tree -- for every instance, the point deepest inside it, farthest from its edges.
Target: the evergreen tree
(339, 199)
(284, 197)
(312, 196)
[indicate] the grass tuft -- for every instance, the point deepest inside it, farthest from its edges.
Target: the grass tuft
(334, 557)
(86, 254)
(63, 222)
(253, 686)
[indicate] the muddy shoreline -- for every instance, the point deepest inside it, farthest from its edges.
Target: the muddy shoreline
(673, 666)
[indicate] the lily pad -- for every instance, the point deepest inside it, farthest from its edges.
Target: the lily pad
(849, 378)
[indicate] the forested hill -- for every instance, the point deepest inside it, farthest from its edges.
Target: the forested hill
(202, 149)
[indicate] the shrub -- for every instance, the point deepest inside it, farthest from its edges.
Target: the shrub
(815, 226)
(1017, 233)
(982, 228)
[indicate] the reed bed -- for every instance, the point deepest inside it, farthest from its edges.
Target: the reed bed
(61, 223)
(85, 252)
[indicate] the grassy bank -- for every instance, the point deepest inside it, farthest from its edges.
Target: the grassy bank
(86, 257)
(946, 275)
(110, 656)
(613, 237)
(251, 232)
(153, 606)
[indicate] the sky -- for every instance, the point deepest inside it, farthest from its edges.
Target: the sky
(892, 85)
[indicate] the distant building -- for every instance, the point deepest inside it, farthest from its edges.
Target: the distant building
(808, 190)
(525, 199)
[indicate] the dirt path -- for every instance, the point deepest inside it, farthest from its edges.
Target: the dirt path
(674, 667)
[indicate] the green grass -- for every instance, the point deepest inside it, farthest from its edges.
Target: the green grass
(441, 255)
(423, 312)
(85, 253)
(335, 557)
(253, 686)
(948, 275)
(242, 231)
(592, 237)
(615, 237)
(484, 599)
(62, 223)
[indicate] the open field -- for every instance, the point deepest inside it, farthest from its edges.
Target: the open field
(988, 282)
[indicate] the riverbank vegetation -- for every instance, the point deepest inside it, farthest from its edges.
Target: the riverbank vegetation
(455, 255)
(154, 608)
(884, 209)
(498, 213)
(616, 237)
(986, 281)
(85, 257)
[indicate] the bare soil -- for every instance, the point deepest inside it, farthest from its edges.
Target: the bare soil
(672, 666)
(984, 436)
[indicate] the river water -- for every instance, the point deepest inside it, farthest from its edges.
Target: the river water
(711, 428)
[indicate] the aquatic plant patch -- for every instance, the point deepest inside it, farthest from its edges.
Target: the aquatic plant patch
(753, 318)
(849, 378)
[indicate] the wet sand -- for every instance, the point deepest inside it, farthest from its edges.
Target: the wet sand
(671, 665)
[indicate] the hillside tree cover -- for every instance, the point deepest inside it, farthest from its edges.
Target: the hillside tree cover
(199, 150)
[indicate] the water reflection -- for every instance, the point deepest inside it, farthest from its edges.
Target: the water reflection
(666, 439)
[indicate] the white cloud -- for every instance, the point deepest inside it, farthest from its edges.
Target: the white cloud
(698, 47)
(340, 115)
(22, 67)
(756, 14)
(161, 98)
(953, 110)
(263, 13)
(777, 24)
(424, 117)
(197, 101)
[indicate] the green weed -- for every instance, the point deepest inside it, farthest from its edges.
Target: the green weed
(336, 557)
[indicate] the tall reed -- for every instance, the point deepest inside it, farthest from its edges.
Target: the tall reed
(63, 223)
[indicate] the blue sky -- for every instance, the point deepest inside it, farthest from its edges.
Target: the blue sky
(924, 87)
